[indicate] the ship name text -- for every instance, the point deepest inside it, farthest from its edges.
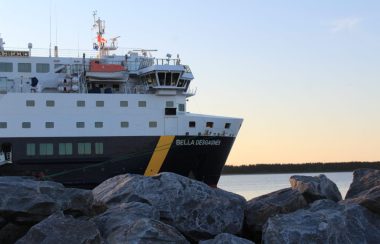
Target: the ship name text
(193, 142)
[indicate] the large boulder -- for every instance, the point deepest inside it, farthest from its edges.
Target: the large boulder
(259, 209)
(59, 228)
(364, 180)
(315, 187)
(194, 208)
(324, 222)
(369, 199)
(118, 220)
(226, 238)
(25, 201)
(147, 231)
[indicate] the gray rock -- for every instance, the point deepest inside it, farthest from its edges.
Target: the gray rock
(11, 232)
(195, 209)
(259, 209)
(364, 179)
(226, 238)
(146, 231)
(28, 200)
(60, 229)
(314, 188)
(369, 199)
(118, 220)
(324, 222)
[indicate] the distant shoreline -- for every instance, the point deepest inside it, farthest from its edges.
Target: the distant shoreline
(298, 168)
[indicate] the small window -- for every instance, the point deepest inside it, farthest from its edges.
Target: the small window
(50, 103)
(181, 107)
(6, 67)
(209, 124)
(46, 149)
(3, 125)
(124, 124)
(24, 67)
(169, 104)
(65, 148)
(84, 148)
(81, 103)
(30, 149)
(49, 125)
(99, 103)
(30, 103)
(42, 68)
(123, 103)
(142, 104)
(192, 124)
(170, 111)
(80, 124)
(152, 124)
(26, 125)
(98, 148)
(227, 125)
(98, 124)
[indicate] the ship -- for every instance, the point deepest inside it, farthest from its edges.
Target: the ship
(82, 119)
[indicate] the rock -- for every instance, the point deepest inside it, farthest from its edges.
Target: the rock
(195, 209)
(11, 232)
(324, 222)
(147, 231)
(364, 179)
(118, 220)
(369, 199)
(259, 209)
(226, 238)
(314, 188)
(28, 200)
(59, 228)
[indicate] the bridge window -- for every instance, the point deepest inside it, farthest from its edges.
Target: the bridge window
(161, 78)
(169, 104)
(84, 148)
(42, 68)
(30, 149)
(46, 149)
(3, 125)
(181, 107)
(6, 67)
(209, 124)
(65, 148)
(24, 67)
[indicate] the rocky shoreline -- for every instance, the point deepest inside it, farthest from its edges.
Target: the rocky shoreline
(168, 208)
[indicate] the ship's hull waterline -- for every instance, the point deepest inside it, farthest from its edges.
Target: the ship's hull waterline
(199, 157)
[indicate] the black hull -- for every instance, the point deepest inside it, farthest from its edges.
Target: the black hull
(197, 157)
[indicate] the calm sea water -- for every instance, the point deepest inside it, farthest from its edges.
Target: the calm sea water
(254, 185)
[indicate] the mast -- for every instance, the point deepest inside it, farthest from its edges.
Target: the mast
(101, 43)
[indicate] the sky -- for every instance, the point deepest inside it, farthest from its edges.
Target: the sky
(304, 75)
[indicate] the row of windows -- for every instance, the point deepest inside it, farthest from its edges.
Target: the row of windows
(47, 149)
(81, 103)
(192, 124)
(97, 124)
(24, 67)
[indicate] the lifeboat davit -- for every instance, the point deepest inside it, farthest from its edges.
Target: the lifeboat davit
(105, 71)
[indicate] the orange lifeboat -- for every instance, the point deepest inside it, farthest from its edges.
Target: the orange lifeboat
(96, 66)
(101, 71)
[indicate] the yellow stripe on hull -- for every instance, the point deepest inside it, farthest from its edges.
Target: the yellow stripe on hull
(159, 155)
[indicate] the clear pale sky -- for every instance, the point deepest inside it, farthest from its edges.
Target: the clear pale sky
(304, 75)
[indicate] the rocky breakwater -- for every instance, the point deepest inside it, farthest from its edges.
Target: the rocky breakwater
(312, 211)
(166, 208)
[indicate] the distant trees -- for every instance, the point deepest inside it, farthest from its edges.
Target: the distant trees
(298, 168)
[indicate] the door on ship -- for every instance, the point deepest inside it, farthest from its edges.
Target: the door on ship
(5, 152)
(171, 126)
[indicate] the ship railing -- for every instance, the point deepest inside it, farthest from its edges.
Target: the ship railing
(137, 90)
(190, 92)
(159, 61)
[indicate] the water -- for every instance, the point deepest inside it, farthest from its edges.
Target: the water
(254, 185)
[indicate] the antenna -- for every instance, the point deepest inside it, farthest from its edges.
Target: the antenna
(50, 30)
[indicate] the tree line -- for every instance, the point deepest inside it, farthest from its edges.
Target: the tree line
(298, 168)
